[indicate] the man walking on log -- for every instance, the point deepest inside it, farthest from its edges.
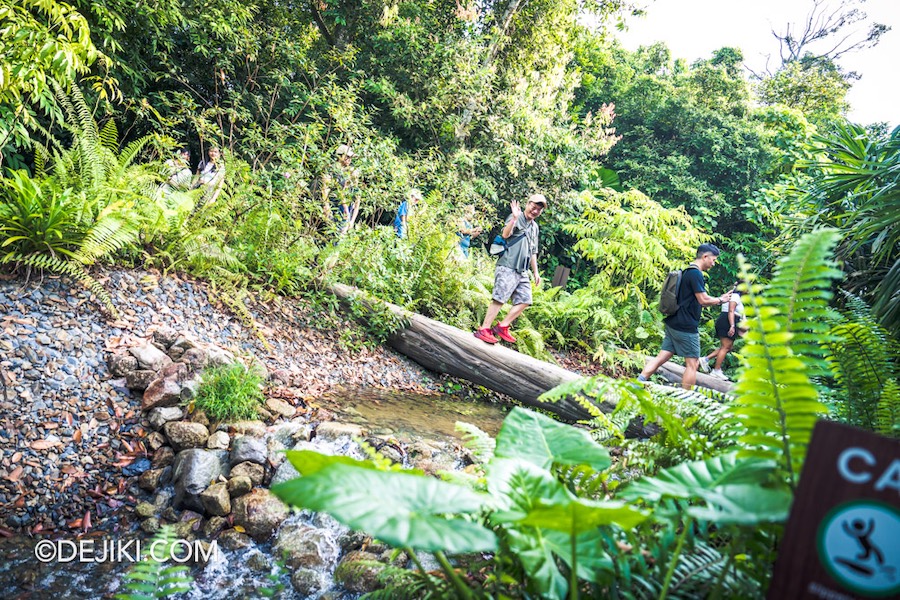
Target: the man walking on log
(682, 328)
(511, 280)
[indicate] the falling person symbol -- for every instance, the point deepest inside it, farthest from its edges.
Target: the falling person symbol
(861, 530)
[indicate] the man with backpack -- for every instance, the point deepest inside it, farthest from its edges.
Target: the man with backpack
(682, 325)
(511, 282)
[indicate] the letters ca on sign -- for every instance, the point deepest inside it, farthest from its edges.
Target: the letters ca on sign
(858, 465)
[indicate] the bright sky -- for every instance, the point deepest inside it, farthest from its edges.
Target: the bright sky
(693, 29)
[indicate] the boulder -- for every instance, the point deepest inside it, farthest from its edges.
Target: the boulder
(139, 379)
(213, 526)
(358, 572)
(196, 359)
(292, 432)
(251, 428)
(155, 440)
(260, 512)
(238, 486)
(215, 500)
(165, 335)
(332, 430)
(184, 434)
(253, 471)
(120, 365)
(163, 457)
(183, 343)
(150, 357)
(177, 371)
(305, 546)
(219, 440)
(219, 357)
(284, 472)
(246, 448)
(306, 582)
(162, 391)
(194, 470)
(234, 540)
(163, 414)
(281, 408)
(151, 479)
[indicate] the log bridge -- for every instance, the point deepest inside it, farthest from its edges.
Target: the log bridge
(446, 349)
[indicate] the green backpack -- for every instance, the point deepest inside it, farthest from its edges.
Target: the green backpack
(668, 297)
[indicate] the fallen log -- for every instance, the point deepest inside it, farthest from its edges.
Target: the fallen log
(446, 349)
(673, 373)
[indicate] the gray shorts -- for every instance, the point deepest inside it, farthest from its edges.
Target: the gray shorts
(681, 343)
(512, 286)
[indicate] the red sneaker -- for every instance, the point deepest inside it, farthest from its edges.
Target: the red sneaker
(503, 333)
(485, 335)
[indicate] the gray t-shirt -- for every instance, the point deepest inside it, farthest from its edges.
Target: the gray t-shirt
(518, 256)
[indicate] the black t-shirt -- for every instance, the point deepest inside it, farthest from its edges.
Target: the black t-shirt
(687, 318)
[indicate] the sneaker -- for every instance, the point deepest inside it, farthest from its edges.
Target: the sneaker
(485, 335)
(503, 333)
(704, 364)
(718, 374)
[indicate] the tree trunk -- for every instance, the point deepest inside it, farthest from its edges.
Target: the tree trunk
(673, 374)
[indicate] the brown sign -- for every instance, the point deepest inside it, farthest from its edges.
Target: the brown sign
(842, 538)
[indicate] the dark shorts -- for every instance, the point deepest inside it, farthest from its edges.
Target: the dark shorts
(722, 326)
(681, 343)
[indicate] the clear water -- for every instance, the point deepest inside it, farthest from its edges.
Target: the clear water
(400, 416)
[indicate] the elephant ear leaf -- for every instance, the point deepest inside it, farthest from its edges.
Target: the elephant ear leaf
(398, 508)
(540, 440)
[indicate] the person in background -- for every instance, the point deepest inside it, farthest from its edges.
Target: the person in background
(728, 328)
(467, 229)
(338, 188)
(682, 328)
(407, 208)
(211, 175)
(178, 172)
(511, 274)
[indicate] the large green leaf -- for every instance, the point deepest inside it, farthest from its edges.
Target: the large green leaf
(743, 504)
(401, 509)
(542, 441)
(308, 462)
(592, 559)
(688, 479)
(580, 515)
(518, 486)
(536, 555)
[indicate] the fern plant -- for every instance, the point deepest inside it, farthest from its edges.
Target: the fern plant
(776, 402)
(150, 578)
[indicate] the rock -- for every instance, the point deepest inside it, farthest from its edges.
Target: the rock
(212, 527)
(175, 353)
(189, 389)
(219, 357)
(215, 500)
(177, 371)
(120, 365)
(332, 430)
(257, 561)
(284, 472)
(151, 479)
(219, 440)
(246, 448)
(155, 440)
(260, 512)
(161, 392)
(253, 471)
(139, 379)
(184, 434)
(196, 359)
(165, 335)
(183, 343)
(305, 546)
(239, 485)
(145, 510)
(150, 357)
(234, 540)
(306, 582)
(292, 432)
(194, 470)
(251, 428)
(358, 572)
(280, 407)
(163, 414)
(150, 525)
(163, 457)
(199, 416)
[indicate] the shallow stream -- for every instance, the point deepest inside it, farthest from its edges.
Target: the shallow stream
(236, 574)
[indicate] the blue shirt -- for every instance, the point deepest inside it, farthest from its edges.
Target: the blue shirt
(398, 220)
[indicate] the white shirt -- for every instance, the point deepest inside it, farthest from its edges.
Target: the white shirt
(739, 306)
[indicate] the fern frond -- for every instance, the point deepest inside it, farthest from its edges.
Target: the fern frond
(65, 267)
(776, 402)
(887, 415)
(109, 135)
(480, 443)
(149, 579)
(105, 237)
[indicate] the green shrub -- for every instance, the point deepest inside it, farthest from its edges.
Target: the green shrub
(230, 392)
